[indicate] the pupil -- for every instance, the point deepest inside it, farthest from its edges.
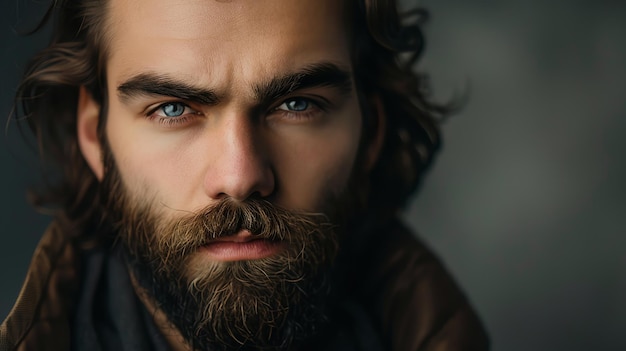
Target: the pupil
(298, 105)
(173, 110)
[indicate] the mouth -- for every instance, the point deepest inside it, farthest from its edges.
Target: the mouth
(241, 246)
(242, 236)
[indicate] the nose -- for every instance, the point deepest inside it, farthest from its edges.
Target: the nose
(242, 168)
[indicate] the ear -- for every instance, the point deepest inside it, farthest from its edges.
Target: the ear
(377, 138)
(87, 116)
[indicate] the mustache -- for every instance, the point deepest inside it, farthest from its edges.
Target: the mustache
(261, 218)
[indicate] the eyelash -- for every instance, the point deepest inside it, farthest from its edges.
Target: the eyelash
(172, 121)
(314, 108)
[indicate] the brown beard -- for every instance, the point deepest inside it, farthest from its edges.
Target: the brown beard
(270, 303)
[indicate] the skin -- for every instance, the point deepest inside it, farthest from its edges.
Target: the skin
(237, 147)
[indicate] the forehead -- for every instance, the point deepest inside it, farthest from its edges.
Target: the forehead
(223, 41)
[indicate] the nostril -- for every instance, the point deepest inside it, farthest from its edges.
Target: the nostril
(221, 196)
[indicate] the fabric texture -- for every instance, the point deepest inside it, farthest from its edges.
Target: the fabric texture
(109, 315)
(397, 296)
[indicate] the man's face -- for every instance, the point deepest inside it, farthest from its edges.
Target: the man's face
(213, 99)
(218, 104)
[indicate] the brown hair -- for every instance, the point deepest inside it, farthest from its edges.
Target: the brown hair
(386, 48)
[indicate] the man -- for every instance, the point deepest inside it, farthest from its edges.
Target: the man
(232, 175)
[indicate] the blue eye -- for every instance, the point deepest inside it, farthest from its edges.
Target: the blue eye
(173, 109)
(173, 114)
(295, 105)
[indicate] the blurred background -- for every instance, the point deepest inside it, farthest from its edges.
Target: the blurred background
(526, 202)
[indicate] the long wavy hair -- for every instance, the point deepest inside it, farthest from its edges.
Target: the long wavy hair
(387, 45)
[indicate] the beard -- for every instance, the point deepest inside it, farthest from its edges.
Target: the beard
(275, 302)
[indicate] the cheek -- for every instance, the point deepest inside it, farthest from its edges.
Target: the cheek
(333, 160)
(152, 165)
(315, 166)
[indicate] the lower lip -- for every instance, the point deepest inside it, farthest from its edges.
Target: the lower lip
(239, 251)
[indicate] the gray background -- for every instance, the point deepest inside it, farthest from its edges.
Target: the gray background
(525, 203)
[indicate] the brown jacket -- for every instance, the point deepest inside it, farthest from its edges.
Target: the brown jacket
(412, 299)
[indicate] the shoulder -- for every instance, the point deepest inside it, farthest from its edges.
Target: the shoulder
(39, 318)
(416, 302)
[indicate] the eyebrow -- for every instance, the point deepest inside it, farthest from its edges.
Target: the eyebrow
(312, 76)
(316, 75)
(149, 84)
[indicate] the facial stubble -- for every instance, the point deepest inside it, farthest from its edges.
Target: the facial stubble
(271, 303)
